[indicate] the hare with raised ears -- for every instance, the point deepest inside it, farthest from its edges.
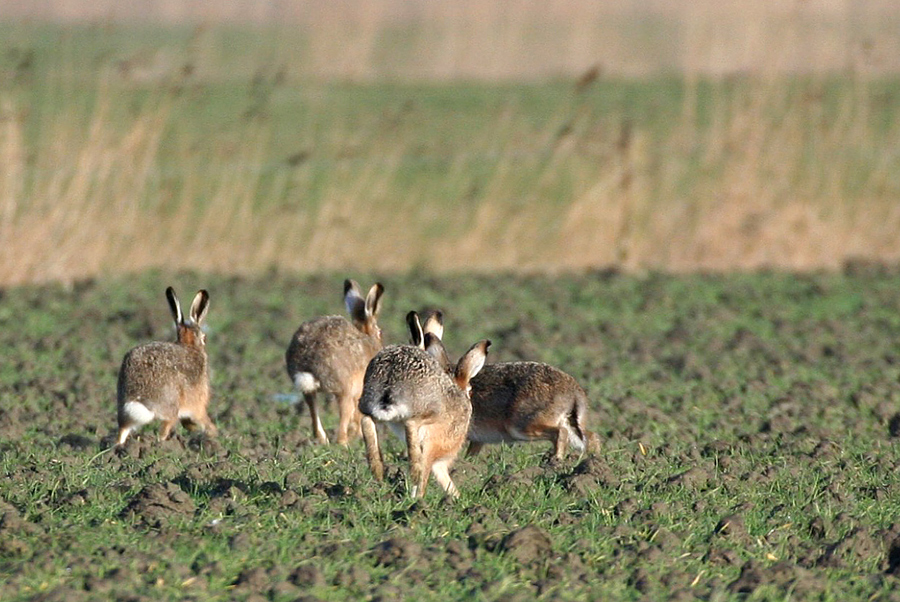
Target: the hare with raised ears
(407, 388)
(433, 329)
(168, 381)
(330, 354)
(524, 401)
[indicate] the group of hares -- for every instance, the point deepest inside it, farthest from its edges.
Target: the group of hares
(428, 401)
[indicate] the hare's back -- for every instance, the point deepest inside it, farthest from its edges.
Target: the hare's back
(404, 365)
(520, 386)
(157, 371)
(410, 375)
(329, 347)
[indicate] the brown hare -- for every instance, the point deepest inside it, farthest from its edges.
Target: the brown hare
(168, 381)
(330, 354)
(522, 401)
(407, 388)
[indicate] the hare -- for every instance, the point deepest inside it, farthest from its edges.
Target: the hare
(524, 401)
(520, 401)
(165, 380)
(406, 387)
(330, 354)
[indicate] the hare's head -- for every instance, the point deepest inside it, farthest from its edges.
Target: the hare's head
(364, 310)
(189, 332)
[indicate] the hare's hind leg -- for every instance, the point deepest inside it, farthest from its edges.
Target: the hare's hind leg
(561, 441)
(204, 422)
(350, 405)
(132, 415)
(318, 429)
(210, 428)
(123, 435)
(473, 449)
(165, 430)
(349, 418)
(592, 442)
(373, 450)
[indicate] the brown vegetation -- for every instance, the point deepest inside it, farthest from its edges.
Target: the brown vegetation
(776, 172)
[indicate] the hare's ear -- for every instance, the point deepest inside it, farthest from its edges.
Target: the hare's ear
(373, 300)
(353, 301)
(174, 306)
(416, 336)
(435, 348)
(471, 364)
(199, 306)
(434, 324)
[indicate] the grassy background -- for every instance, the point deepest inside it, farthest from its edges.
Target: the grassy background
(678, 137)
(749, 426)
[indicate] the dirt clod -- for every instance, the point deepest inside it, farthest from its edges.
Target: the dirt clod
(254, 579)
(396, 551)
(783, 575)
(307, 575)
(157, 502)
(77, 442)
(858, 543)
(732, 527)
(528, 544)
(693, 478)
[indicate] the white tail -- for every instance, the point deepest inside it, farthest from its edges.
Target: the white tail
(306, 382)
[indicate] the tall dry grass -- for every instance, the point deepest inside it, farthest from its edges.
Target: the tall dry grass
(759, 167)
(768, 184)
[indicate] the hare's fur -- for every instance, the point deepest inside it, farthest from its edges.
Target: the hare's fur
(516, 401)
(406, 386)
(330, 354)
(525, 401)
(168, 381)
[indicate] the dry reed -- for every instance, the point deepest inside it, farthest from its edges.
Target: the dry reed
(772, 172)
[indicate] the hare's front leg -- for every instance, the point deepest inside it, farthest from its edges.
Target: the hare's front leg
(441, 471)
(318, 429)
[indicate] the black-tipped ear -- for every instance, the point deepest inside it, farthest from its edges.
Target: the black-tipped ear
(471, 363)
(351, 285)
(200, 306)
(416, 336)
(435, 348)
(174, 306)
(373, 300)
(354, 302)
(434, 324)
